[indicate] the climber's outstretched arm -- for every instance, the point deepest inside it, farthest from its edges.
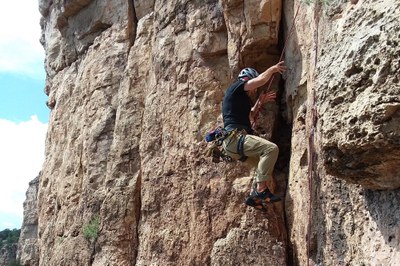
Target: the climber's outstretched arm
(264, 77)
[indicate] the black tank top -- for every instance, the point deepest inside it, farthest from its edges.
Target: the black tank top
(236, 107)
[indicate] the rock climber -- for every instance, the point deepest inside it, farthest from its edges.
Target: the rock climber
(241, 144)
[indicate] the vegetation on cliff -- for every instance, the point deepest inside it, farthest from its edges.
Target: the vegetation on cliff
(9, 237)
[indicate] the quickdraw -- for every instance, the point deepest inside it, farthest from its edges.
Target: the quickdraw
(218, 154)
(217, 136)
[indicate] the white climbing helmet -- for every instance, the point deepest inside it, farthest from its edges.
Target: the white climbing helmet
(248, 72)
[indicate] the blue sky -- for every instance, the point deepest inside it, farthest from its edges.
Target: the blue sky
(23, 111)
(21, 97)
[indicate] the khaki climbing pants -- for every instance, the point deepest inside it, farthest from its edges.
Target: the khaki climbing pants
(262, 154)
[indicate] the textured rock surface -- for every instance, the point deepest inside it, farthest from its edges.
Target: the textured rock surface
(361, 84)
(349, 60)
(134, 85)
(27, 253)
(8, 254)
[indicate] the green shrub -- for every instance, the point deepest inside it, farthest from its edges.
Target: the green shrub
(9, 237)
(91, 229)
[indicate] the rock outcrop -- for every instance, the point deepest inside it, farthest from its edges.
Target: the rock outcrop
(27, 253)
(134, 86)
(8, 254)
(342, 94)
(361, 84)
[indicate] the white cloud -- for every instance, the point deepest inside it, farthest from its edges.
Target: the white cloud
(21, 158)
(20, 49)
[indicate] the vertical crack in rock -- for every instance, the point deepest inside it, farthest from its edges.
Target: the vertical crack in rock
(132, 23)
(138, 201)
(282, 134)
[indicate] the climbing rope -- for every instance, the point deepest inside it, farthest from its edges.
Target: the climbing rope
(258, 105)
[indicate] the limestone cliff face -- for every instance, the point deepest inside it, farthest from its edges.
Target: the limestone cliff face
(8, 254)
(343, 95)
(27, 253)
(134, 86)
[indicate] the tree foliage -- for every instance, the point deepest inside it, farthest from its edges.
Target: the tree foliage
(9, 237)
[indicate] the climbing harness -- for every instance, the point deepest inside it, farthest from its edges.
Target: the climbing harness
(215, 151)
(217, 136)
(258, 105)
(240, 148)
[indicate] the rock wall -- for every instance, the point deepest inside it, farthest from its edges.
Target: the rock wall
(8, 254)
(343, 97)
(133, 87)
(27, 253)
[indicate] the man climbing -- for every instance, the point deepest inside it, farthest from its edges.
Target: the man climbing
(241, 144)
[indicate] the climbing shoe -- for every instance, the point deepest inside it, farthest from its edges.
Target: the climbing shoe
(255, 203)
(265, 196)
